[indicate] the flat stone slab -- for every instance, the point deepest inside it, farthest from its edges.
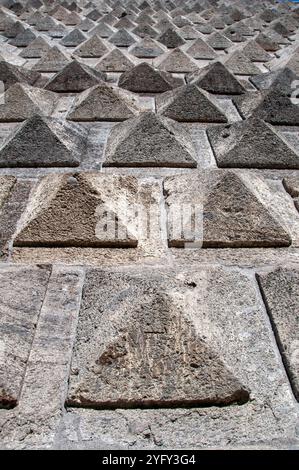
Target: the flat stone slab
(280, 290)
(143, 345)
(22, 291)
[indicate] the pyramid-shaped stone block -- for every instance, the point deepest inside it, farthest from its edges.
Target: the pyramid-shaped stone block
(122, 38)
(146, 48)
(22, 101)
(189, 104)
(10, 74)
(201, 50)
(73, 38)
(23, 39)
(239, 64)
(171, 39)
(217, 79)
(177, 62)
(254, 52)
(80, 210)
(149, 141)
(75, 77)
(153, 354)
(271, 106)
(252, 144)
(43, 142)
(93, 47)
(143, 78)
(218, 42)
(281, 80)
(115, 61)
(103, 103)
(52, 61)
(36, 49)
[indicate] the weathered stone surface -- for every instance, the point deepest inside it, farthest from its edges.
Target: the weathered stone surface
(149, 140)
(252, 144)
(266, 43)
(271, 106)
(122, 38)
(190, 104)
(74, 209)
(23, 39)
(280, 80)
(93, 47)
(22, 101)
(280, 290)
(177, 62)
(103, 103)
(102, 29)
(216, 78)
(75, 77)
(43, 142)
(115, 61)
(22, 292)
(239, 64)
(291, 184)
(154, 354)
(10, 74)
(218, 42)
(226, 210)
(146, 48)
(255, 52)
(52, 61)
(171, 39)
(143, 78)
(6, 185)
(36, 49)
(201, 50)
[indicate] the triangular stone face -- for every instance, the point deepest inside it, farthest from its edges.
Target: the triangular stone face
(171, 39)
(68, 210)
(218, 42)
(36, 49)
(189, 33)
(86, 25)
(43, 142)
(23, 101)
(271, 106)
(239, 64)
(122, 38)
(145, 30)
(73, 39)
(254, 52)
(215, 78)
(103, 103)
(252, 144)
(266, 43)
(281, 81)
(10, 74)
(177, 62)
(155, 346)
(189, 104)
(145, 79)
(93, 47)
(234, 217)
(146, 48)
(201, 50)
(23, 39)
(115, 61)
(75, 77)
(52, 61)
(149, 141)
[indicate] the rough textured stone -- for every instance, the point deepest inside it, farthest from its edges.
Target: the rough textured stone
(122, 38)
(239, 64)
(255, 52)
(22, 101)
(280, 80)
(189, 104)
(215, 78)
(52, 61)
(36, 49)
(149, 140)
(292, 185)
(252, 144)
(271, 106)
(69, 210)
(171, 39)
(146, 48)
(115, 61)
(23, 39)
(201, 50)
(154, 353)
(218, 42)
(178, 62)
(75, 77)
(22, 293)
(6, 185)
(103, 103)
(10, 74)
(43, 142)
(144, 78)
(280, 289)
(93, 47)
